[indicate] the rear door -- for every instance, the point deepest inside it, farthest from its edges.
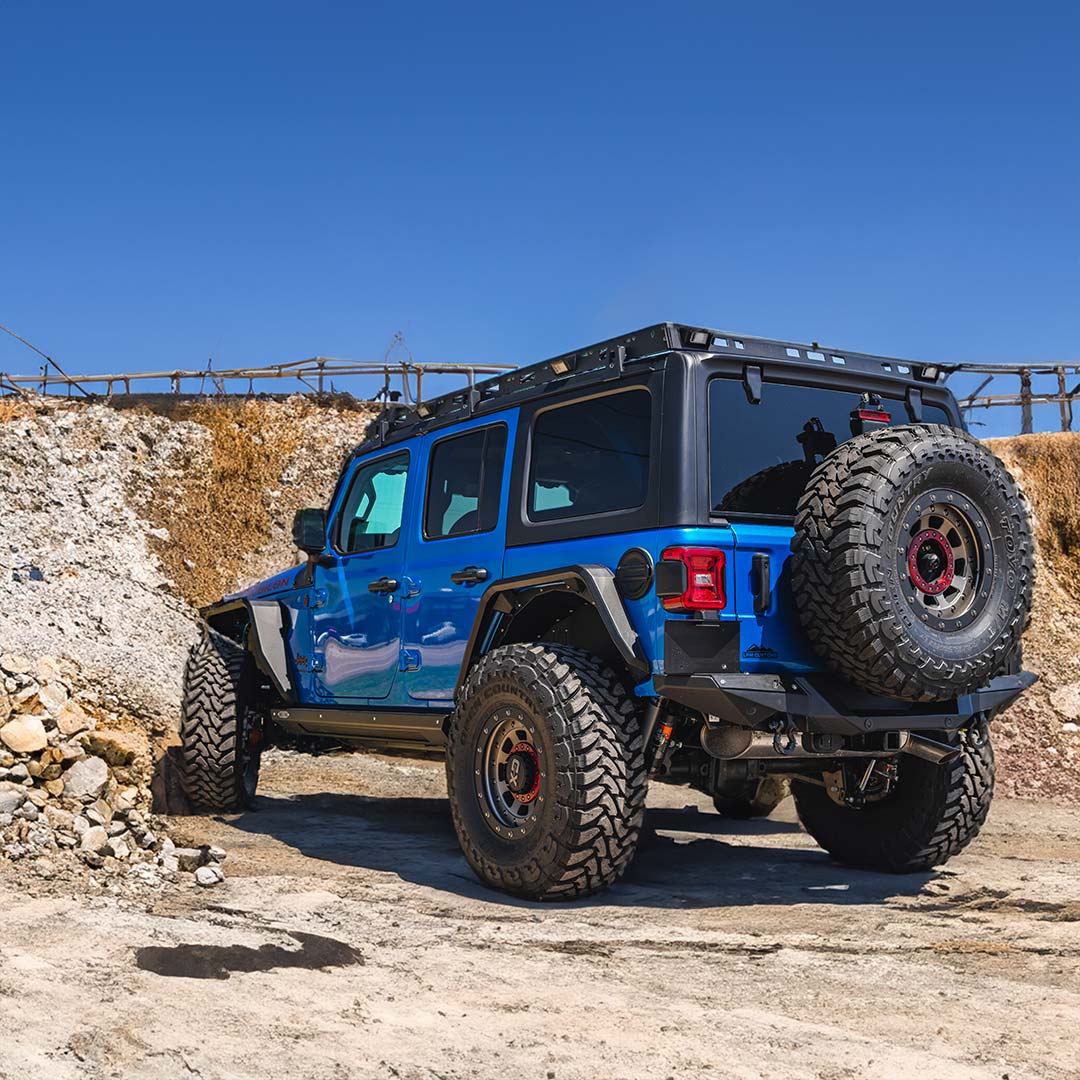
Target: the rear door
(456, 548)
(357, 614)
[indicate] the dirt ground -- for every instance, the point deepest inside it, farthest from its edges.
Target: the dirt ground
(351, 941)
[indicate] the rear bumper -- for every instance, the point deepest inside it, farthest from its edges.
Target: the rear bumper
(821, 703)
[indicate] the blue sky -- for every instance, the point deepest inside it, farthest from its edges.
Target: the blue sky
(256, 183)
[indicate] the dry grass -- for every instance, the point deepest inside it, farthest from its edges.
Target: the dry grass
(13, 407)
(229, 516)
(1048, 467)
(219, 517)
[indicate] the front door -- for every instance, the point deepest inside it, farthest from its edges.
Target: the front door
(456, 551)
(357, 619)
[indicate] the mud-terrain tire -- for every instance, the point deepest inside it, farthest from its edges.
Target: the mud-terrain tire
(881, 516)
(933, 812)
(577, 738)
(219, 767)
(758, 800)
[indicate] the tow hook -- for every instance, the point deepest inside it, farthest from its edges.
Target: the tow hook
(978, 731)
(785, 737)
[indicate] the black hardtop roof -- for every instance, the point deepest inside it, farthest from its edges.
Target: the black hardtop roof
(607, 360)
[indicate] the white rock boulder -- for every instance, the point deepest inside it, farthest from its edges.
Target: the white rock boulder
(86, 779)
(24, 735)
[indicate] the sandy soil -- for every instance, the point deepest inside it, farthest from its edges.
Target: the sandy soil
(351, 941)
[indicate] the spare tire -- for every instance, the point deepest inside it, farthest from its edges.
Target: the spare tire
(913, 565)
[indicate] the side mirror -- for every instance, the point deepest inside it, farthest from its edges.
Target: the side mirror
(309, 530)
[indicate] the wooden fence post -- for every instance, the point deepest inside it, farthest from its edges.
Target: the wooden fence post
(1025, 402)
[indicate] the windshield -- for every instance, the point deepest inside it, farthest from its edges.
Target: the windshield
(761, 455)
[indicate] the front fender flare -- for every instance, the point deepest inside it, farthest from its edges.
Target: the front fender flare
(268, 623)
(594, 584)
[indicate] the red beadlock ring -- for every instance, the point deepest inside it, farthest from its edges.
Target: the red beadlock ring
(528, 748)
(930, 588)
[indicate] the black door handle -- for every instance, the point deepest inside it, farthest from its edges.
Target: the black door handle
(469, 574)
(383, 585)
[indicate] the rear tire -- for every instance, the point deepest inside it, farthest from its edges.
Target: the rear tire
(219, 768)
(933, 813)
(545, 772)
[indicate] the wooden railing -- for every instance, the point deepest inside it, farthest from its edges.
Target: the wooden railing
(404, 381)
(400, 381)
(1026, 398)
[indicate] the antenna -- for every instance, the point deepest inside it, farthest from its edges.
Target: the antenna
(30, 345)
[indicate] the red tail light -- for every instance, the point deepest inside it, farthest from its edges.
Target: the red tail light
(876, 416)
(704, 579)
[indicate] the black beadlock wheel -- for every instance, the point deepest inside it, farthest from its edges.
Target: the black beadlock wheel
(545, 772)
(932, 813)
(913, 562)
(220, 737)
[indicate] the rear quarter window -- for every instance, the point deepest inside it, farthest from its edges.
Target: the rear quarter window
(590, 457)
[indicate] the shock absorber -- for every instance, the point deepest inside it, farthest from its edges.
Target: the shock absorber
(663, 725)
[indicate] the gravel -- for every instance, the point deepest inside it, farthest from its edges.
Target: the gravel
(78, 577)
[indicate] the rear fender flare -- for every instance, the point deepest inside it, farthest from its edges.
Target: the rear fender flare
(268, 623)
(594, 584)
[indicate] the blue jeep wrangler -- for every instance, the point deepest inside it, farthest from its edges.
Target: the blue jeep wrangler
(739, 564)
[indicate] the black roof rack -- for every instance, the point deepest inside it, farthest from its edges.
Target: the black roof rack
(606, 360)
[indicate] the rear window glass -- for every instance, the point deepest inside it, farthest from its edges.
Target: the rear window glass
(761, 456)
(591, 457)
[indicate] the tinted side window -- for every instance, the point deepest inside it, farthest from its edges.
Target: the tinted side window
(761, 455)
(591, 457)
(372, 511)
(464, 482)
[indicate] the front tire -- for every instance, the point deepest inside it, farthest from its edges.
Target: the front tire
(932, 813)
(219, 737)
(545, 772)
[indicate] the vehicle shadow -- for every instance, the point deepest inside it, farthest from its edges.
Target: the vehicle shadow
(686, 858)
